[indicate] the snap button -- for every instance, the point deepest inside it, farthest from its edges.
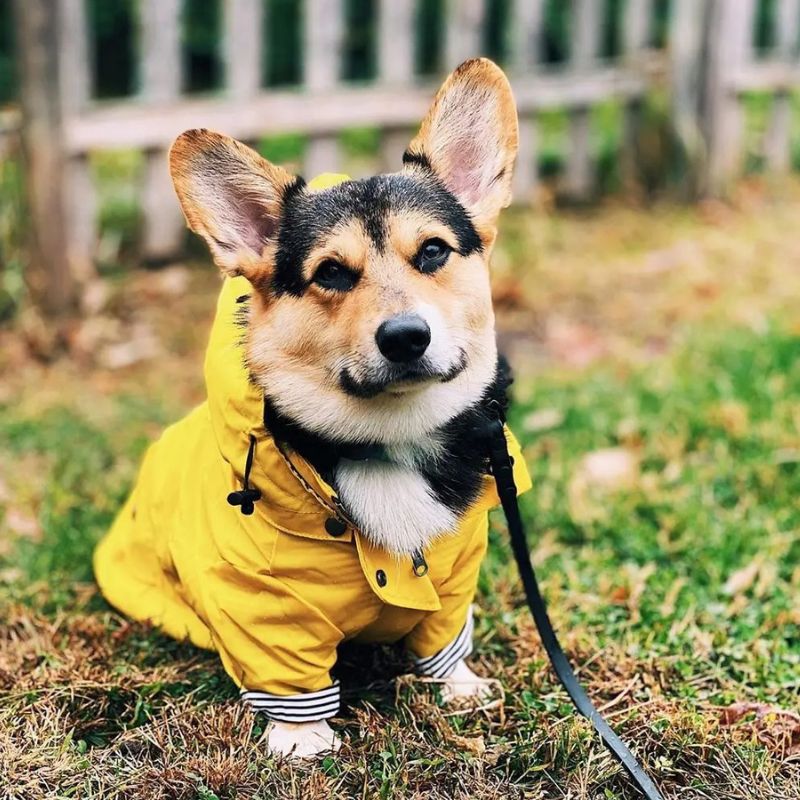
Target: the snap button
(334, 526)
(380, 577)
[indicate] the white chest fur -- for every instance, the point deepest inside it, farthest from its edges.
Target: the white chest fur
(392, 503)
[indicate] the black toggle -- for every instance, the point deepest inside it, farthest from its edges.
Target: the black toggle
(246, 497)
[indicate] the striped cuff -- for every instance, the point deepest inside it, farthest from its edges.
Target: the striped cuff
(442, 664)
(295, 707)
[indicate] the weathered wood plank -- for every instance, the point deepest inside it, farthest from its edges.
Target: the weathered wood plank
(526, 35)
(161, 75)
(464, 31)
(242, 46)
(686, 75)
(395, 68)
(526, 54)
(48, 275)
(136, 125)
(585, 20)
(161, 83)
(81, 215)
(527, 19)
(729, 47)
(323, 38)
(777, 142)
(396, 41)
(526, 170)
(636, 25)
(75, 77)
(75, 65)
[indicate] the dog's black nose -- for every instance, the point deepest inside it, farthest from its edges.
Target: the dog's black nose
(404, 338)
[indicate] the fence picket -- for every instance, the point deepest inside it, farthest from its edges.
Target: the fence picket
(49, 276)
(636, 26)
(161, 83)
(777, 142)
(396, 36)
(526, 30)
(323, 39)
(242, 43)
(687, 37)
(75, 90)
(464, 31)
(729, 41)
(585, 20)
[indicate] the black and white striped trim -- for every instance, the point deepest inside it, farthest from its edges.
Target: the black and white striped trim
(442, 664)
(308, 707)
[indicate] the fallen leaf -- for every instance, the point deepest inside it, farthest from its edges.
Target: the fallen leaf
(611, 468)
(667, 608)
(741, 580)
(141, 345)
(21, 523)
(575, 343)
(543, 419)
(733, 417)
(776, 728)
(598, 473)
(474, 745)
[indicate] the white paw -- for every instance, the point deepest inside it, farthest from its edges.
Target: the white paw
(463, 683)
(302, 739)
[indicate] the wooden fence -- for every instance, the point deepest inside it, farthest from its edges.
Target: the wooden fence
(709, 61)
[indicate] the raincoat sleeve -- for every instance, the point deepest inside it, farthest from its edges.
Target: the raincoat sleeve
(441, 639)
(277, 647)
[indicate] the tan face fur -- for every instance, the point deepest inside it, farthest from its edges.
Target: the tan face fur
(313, 338)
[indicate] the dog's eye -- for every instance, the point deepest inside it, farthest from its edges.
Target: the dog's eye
(332, 275)
(432, 255)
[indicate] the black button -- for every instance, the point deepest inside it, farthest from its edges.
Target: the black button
(380, 577)
(334, 526)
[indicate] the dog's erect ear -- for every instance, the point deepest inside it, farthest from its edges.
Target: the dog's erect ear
(469, 138)
(230, 196)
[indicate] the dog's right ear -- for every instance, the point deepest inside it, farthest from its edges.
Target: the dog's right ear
(232, 197)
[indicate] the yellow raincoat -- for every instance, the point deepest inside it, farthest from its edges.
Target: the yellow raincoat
(275, 593)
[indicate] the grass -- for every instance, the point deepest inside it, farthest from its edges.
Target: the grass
(664, 525)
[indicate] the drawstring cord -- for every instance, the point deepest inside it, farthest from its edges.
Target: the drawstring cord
(246, 498)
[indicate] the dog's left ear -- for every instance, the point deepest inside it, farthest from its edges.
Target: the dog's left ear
(469, 138)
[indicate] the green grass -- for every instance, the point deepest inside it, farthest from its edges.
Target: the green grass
(94, 706)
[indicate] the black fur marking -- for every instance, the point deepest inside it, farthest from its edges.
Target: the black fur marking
(417, 159)
(294, 188)
(456, 478)
(455, 475)
(309, 216)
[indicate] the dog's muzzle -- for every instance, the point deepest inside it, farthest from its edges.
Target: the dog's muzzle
(419, 371)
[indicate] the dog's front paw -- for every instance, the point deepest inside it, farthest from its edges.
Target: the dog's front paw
(464, 684)
(302, 739)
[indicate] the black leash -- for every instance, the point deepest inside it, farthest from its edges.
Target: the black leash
(502, 469)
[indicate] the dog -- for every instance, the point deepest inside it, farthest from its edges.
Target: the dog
(333, 485)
